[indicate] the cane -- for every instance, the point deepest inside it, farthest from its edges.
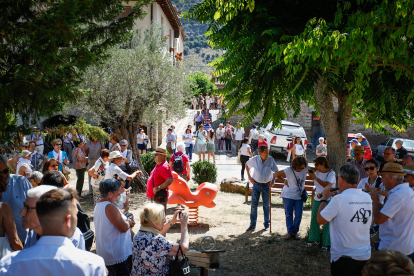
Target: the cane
(270, 205)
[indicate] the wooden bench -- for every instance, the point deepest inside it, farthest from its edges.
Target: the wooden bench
(204, 259)
(277, 188)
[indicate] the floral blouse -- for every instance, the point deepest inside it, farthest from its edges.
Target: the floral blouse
(78, 153)
(150, 254)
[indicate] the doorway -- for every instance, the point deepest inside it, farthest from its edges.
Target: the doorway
(317, 129)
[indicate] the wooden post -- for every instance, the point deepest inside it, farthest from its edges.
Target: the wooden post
(270, 206)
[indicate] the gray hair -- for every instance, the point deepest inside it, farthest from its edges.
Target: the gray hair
(391, 148)
(124, 141)
(262, 148)
(321, 138)
(180, 147)
(3, 159)
(108, 186)
(350, 174)
(40, 190)
(399, 178)
(36, 176)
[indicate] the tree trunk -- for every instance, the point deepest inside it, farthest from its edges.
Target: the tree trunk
(336, 126)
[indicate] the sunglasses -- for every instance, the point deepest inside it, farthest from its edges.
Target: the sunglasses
(26, 147)
(123, 145)
(5, 171)
(369, 168)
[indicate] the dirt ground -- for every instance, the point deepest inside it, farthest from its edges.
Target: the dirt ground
(257, 253)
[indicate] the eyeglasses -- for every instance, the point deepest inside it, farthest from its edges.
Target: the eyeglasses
(28, 208)
(388, 153)
(5, 171)
(369, 168)
(123, 145)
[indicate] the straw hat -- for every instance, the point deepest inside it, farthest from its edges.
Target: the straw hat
(358, 135)
(409, 169)
(25, 153)
(161, 151)
(114, 154)
(359, 149)
(392, 168)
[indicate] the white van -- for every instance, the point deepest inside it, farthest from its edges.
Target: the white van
(279, 138)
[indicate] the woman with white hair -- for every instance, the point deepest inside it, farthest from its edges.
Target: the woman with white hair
(126, 158)
(179, 162)
(116, 158)
(150, 248)
(24, 167)
(188, 140)
(34, 178)
(112, 230)
(321, 149)
(221, 136)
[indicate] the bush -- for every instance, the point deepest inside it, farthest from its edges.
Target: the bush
(197, 50)
(204, 171)
(148, 161)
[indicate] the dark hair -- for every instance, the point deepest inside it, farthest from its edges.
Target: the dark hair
(47, 164)
(119, 179)
(105, 153)
(52, 202)
(321, 161)
(115, 137)
(211, 134)
(350, 174)
(32, 142)
(53, 178)
(301, 143)
(261, 148)
(299, 161)
(392, 149)
(372, 161)
(76, 143)
(188, 130)
(245, 140)
(108, 186)
(409, 155)
(3, 185)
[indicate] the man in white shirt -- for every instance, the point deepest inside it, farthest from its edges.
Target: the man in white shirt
(349, 215)
(238, 136)
(54, 253)
(396, 216)
(38, 139)
(30, 219)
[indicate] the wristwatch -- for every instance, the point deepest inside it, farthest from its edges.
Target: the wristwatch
(323, 200)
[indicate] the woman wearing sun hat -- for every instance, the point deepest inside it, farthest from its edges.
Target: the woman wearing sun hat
(352, 144)
(116, 158)
(23, 166)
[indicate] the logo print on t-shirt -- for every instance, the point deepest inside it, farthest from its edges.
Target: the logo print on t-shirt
(362, 215)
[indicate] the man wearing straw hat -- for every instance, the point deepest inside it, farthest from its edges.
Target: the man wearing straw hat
(359, 161)
(160, 178)
(396, 216)
(409, 177)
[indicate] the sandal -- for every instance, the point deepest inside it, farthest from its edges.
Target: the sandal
(312, 244)
(324, 248)
(288, 237)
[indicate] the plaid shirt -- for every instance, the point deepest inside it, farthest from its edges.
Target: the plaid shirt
(36, 159)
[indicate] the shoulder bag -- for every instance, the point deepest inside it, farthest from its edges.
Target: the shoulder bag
(179, 267)
(65, 169)
(161, 195)
(304, 193)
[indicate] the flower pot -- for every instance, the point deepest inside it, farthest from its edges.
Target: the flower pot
(171, 49)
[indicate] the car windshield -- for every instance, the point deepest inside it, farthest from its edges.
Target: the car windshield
(408, 143)
(269, 127)
(364, 142)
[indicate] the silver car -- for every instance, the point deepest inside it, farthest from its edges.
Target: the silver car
(390, 142)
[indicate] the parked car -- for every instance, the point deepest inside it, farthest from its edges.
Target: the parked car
(279, 138)
(390, 142)
(364, 142)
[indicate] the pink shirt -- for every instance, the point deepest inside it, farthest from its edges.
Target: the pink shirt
(160, 174)
(185, 160)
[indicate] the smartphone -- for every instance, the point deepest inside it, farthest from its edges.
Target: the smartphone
(310, 171)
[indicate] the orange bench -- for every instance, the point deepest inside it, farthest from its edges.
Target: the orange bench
(277, 188)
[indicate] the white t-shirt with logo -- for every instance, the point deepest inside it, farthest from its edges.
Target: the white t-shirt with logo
(396, 233)
(299, 149)
(293, 191)
(349, 215)
(325, 177)
(361, 185)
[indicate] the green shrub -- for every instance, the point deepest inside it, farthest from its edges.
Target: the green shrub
(148, 162)
(204, 171)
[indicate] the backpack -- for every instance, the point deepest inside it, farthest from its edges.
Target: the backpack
(85, 226)
(178, 163)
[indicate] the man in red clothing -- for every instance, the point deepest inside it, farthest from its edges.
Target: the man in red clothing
(160, 178)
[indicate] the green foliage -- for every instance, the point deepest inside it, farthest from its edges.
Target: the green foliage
(201, 83)
(80, 127)
(148, 162)
(46, 46)
(204, 171)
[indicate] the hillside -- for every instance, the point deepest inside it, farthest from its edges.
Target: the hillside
(196, 47)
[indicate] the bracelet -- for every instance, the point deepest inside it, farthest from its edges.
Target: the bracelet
(323, 200)
(171, 225)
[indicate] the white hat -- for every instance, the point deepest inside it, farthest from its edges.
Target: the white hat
(262, 136)
(399, 141)
(358, 135)
(25, 153)
(115, 154)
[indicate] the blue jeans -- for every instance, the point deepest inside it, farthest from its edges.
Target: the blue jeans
(189, 151)
(293, 225)
(257, 189)
(228, 144)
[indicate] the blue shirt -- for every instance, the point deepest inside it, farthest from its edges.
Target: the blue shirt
(64, 156)
(207, 127)
(15, 195)
(36, 158)
(77, 239)
(263, 172)
(170, 137)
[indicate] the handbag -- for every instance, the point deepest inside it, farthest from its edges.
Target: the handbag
(304, 193)
(161, 195)
(65, 170)
(179, 267)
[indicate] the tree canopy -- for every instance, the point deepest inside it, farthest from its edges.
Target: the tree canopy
(201, 83)
(46, 46)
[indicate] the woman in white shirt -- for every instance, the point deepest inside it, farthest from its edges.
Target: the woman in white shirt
(188, 141)
(97, 172)
(112, 230)
(294, 185)
(298, 149)
(143, 140)
(373, 181)
(322, 177)
(24, 167)
(114, 168)
(221, 136)
(245, 154)
(208, 103)
(211, 148)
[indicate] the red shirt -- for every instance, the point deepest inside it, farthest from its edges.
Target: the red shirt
(264, 143)
(185, 160)
(160, 174)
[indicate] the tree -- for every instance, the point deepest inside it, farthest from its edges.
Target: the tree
(278, 55)
(201, 83)
(197, 50)
(46, 46)
(135, 86)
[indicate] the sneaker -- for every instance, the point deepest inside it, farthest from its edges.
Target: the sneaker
(267, 228)
(251, 228)
(242, 179)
